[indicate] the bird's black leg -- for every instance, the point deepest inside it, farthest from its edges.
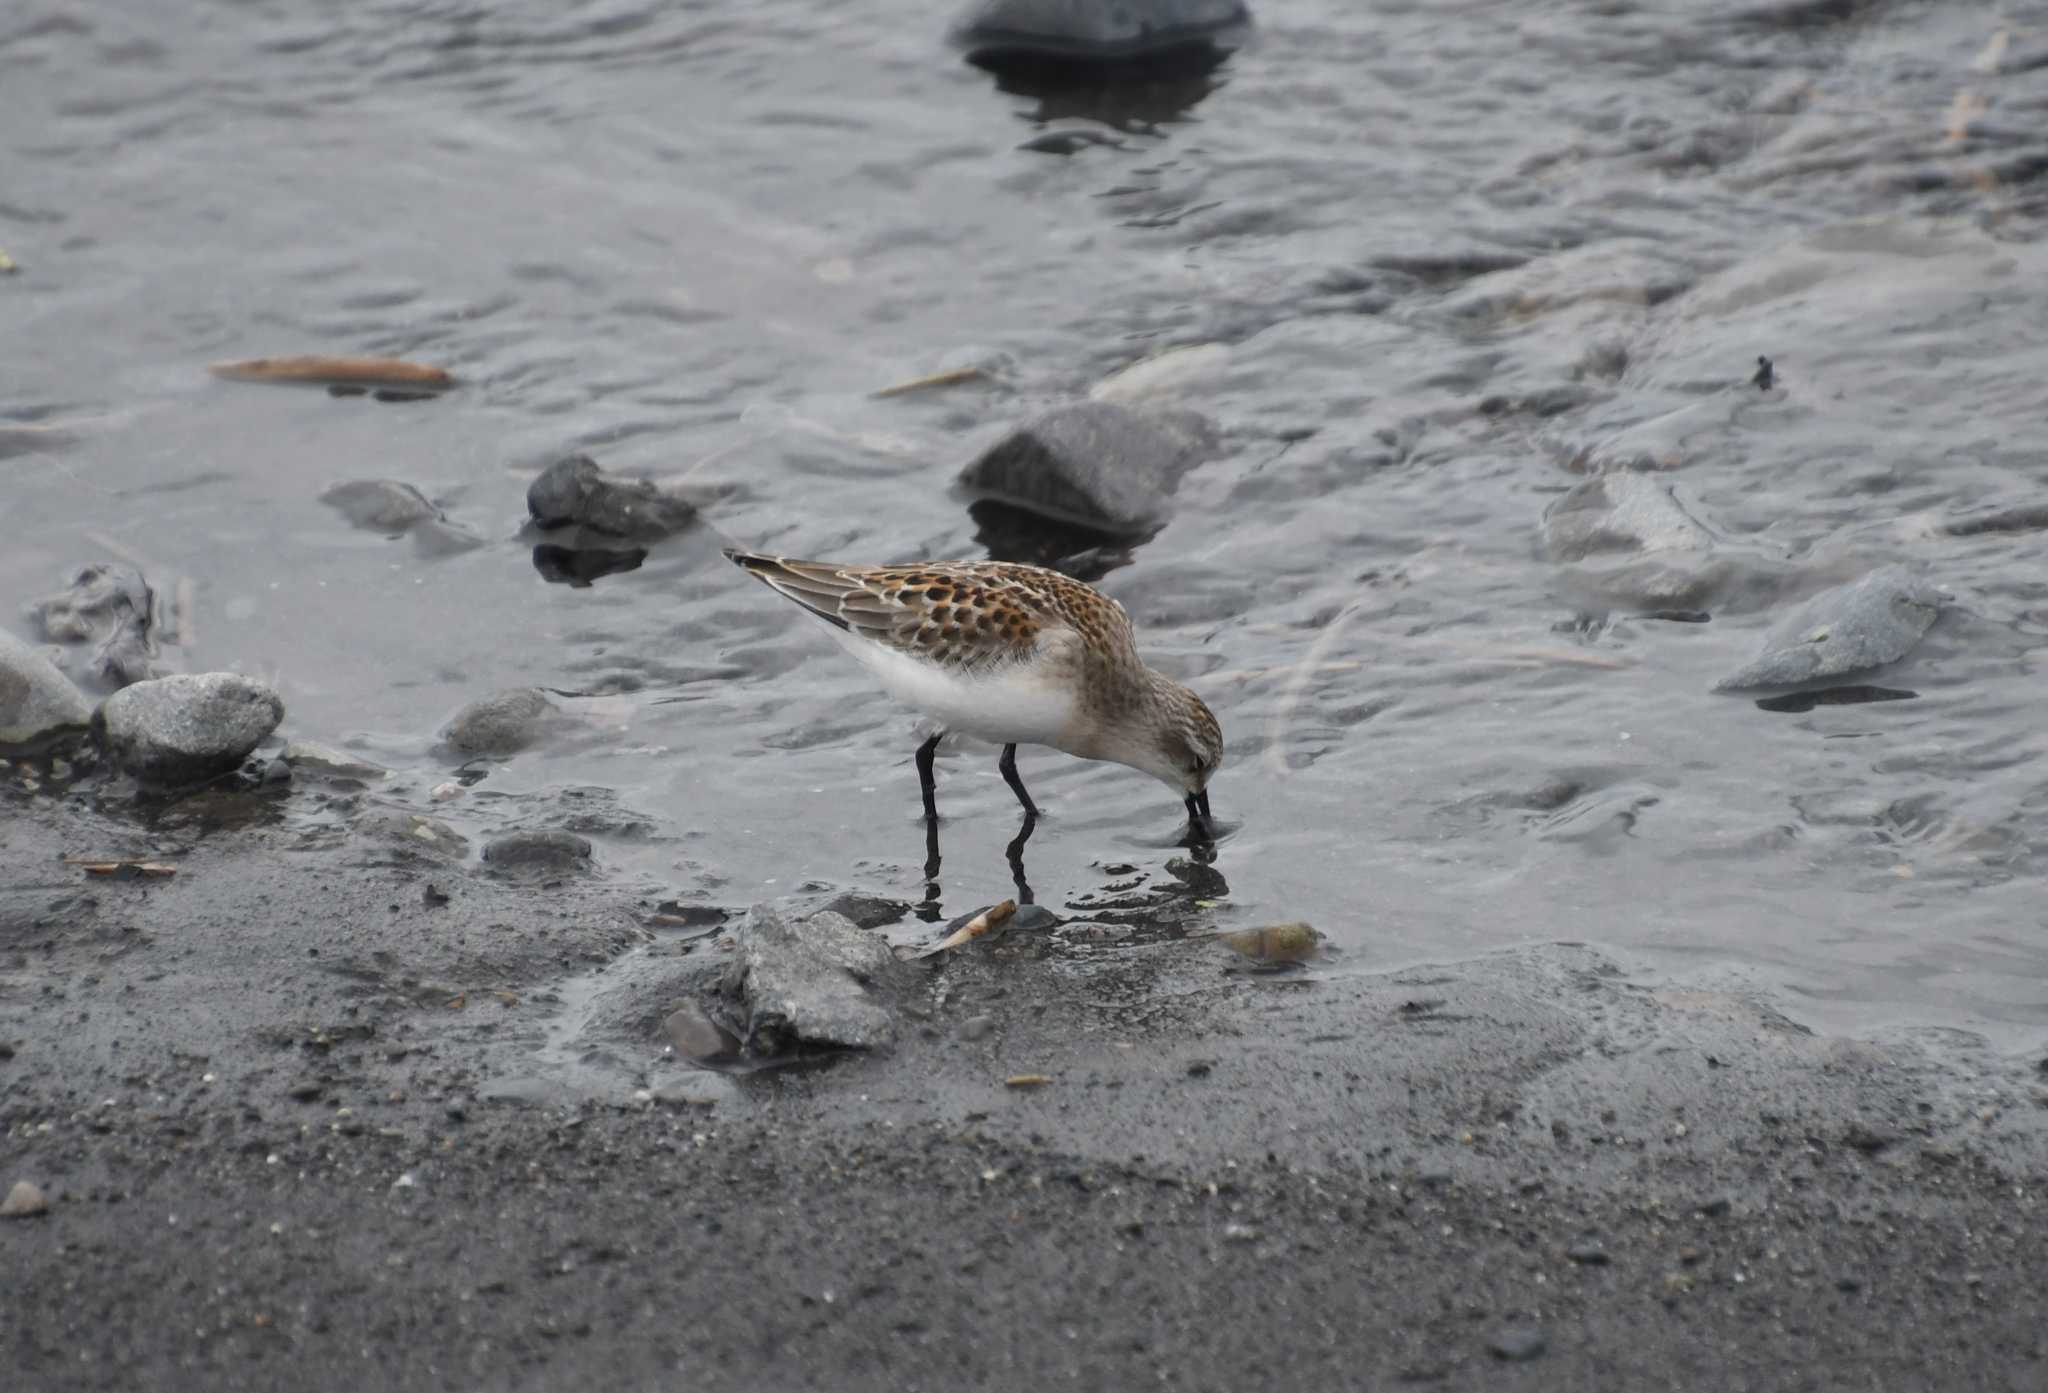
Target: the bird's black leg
(1015, 851)
(925, 780)
(1009, 767)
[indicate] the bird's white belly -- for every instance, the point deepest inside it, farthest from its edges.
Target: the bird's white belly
(1016, 705)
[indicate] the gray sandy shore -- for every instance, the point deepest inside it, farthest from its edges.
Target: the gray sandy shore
(302, 1121)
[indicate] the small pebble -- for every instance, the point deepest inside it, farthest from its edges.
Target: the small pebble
(976, 1027)
(1587, 1254)
(1517, 1343)
(23, 1200)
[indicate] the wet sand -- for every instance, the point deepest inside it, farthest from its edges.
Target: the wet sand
(304, 1122)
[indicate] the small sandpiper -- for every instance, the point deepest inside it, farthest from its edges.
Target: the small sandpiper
(1013, 654)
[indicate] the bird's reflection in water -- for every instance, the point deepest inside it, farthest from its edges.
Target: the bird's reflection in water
(1198, 876)
(929, 909)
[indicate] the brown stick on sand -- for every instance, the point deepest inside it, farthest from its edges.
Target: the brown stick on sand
(338, 372)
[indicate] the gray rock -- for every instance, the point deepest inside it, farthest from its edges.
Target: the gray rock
(184, 729)
(534, 854)
(819, 981)
(38, 704)
(1095, 463)
(23, 1200)
(1851, 628)
(111, 609)
(380, 505)
(575, 490)
(695, 1035)
(1102, 30)
(501, 724)
(320, 759)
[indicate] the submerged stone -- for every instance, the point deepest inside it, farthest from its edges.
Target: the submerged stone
(38, 704)
(503, 723)
(380, 505)
(1851, 628)
(187, 728)
(1097, 30)
(1094, 464)
(535, 854)
(1627, 537)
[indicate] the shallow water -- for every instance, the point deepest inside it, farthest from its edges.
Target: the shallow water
(1474, 249)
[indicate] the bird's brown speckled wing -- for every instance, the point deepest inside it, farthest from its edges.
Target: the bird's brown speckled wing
(969, 615)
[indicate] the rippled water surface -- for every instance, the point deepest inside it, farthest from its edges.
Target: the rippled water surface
(1452, 258)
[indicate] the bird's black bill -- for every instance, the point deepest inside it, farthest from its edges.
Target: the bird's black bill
(1198, 816)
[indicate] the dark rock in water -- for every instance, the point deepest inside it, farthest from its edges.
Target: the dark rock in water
(1098, 31)
(535, 854)
(179, 730)
(815, 981)
(38, 705)
(1854, 627)
(866, 911)
(1101, 466)
(501, 724)
(380, 505)
(113, 609)
(575, 490)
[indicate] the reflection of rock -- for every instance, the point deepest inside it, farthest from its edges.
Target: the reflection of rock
(503, 723)
(1094, 464)
(38, 704)
(1010, 533)
(113, 609)
(993, 32)
(1852, 628)
(817, 981)
(579, 566)
(535, 855)
(187, 728)
(575, 490)
(1630, 537)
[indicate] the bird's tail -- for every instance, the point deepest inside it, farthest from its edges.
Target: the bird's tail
(816, 585)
